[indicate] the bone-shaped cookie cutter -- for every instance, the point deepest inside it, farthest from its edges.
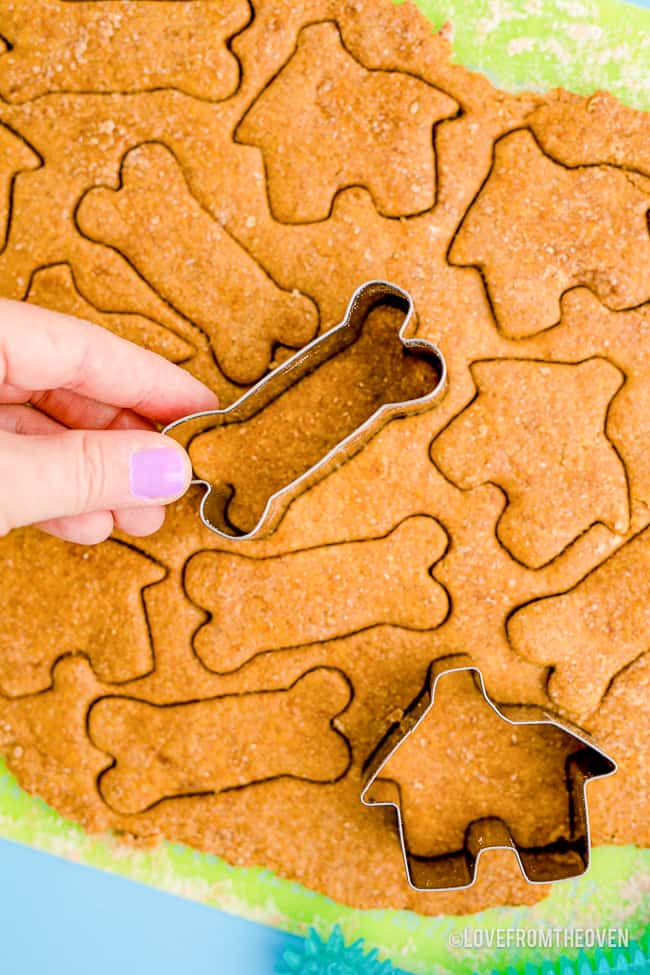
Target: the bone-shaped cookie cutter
(458, 869)
(214, 504)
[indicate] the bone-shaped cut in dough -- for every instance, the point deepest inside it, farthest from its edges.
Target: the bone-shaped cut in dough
(316, 410)
(190, 260)
(206, 747)
(316, 595)
(120, 47)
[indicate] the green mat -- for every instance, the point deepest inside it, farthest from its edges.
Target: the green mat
(526, 44)
(581, 45)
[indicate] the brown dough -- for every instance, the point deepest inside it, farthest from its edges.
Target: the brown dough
(581, 131)
(588, 328)
(518, 235)
(63, 46)
(241, 332)
(16, 156)
(161, 752)
(559, 471)
(497, 770)
(187, 245)
(593, 631)
(315, 595)
(259, 457)
(55, 287)
(93, 595)
(356, 127)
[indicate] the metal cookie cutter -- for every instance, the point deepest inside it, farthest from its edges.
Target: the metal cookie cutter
(457, 870)
(316, 355)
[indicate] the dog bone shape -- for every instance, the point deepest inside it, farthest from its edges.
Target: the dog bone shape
(194, 265)
(206, 747)
(314, 411)
(316, 594)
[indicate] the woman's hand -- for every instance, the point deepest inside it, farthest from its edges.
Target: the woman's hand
(79, 454)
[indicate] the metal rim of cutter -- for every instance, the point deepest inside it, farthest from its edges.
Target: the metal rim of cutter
(301, 363)
(380, 758)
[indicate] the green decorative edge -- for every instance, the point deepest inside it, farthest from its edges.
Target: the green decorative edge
(611, 893)
(535, 45)
(582, 45)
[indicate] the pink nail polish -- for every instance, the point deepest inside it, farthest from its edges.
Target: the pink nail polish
(157, 474)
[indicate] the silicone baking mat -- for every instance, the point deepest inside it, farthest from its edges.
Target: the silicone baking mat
(519, 44)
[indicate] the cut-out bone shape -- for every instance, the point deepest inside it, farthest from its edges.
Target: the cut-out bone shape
(591, 632)
(526, 739)
(294, 393)
(212, 746)
(120, 47)
(316, 594)
(194, 264)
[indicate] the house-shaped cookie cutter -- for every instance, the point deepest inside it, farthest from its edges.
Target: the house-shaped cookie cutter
(214, 504)
(458, 869)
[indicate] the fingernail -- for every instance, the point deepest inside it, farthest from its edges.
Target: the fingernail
(157, 474)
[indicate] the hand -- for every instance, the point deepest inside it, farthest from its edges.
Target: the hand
(79, 454)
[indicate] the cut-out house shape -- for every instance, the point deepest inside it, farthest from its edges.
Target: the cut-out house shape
(517, 781)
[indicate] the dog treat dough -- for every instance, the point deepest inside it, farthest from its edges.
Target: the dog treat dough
(497, 770)
(262, 455)
(16, 157)
(64, 46)
(578, 131)
(587, 328)
(317, 594)
(591, 632)
(93, 594)
(521, 434)
(161, 752)
(371, 128)
(216, 192)
(597, 236)
(55, 287)
(181, 250)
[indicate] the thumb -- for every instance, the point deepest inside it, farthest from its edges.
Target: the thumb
(78, 471)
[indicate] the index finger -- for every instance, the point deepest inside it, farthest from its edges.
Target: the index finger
(41, 349)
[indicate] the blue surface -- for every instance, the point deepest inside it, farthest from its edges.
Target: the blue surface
(58, 918)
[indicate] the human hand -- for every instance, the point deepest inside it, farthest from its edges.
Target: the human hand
(79, 454)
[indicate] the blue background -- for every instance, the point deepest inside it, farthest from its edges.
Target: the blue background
(58, 918)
